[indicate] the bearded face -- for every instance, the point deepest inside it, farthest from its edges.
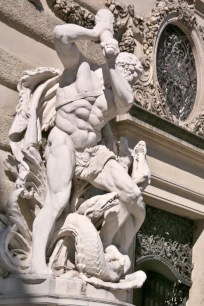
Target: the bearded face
(129, 66)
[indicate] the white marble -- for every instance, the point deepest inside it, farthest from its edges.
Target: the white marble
(74, 235)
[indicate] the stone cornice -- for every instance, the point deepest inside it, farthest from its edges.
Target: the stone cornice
(160, 199)
(182, 201)
(164, 132)
(173, 195)
(31, 23)
(11, 69)
(178, 188)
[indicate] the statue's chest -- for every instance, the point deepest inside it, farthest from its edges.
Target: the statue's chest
(89, 82)
(87, 86)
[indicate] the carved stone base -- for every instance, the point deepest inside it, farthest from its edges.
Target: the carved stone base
(57, 291)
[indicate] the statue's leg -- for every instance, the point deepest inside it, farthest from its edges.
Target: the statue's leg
(60, 170)
(132, 225)
(113, 177)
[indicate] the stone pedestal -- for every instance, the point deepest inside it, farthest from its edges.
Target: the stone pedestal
(57, 291)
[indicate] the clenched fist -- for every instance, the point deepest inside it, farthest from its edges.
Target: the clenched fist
(110, 47)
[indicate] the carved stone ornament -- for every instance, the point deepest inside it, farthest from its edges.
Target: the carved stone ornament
(148, 91)
(126, 19)
(82, 199)
(72, 12)
(176, 72)
(167, 238)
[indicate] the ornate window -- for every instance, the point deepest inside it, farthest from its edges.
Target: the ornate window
(170, 244)
(164, 252)
(176, 71)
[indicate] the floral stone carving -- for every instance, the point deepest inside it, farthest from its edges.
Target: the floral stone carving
(62, 155)
(125, 20)
(167, 238)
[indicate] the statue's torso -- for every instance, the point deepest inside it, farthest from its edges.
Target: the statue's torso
(82, 108)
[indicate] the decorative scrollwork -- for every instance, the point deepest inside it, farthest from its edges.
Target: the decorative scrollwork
(127, 43)
(167, 238)
(121, 13)
(179, 8)
(176, 72)
(196, 125)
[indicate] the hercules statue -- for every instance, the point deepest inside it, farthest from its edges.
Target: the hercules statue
(86, 100)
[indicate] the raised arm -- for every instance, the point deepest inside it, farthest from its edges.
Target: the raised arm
(122, 90)
(66, 35)
(70, 33)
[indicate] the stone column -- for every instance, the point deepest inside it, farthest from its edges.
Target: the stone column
(196, 296)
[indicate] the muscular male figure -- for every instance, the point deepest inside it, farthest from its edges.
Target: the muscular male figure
(85, 103)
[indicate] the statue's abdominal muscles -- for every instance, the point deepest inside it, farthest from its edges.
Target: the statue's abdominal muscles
(82, 120)
(82, 111)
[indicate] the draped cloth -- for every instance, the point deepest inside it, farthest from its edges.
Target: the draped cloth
(46, 81)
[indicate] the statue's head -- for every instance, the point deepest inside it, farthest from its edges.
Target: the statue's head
(129, 66)
(104, 15)
(140, 147)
